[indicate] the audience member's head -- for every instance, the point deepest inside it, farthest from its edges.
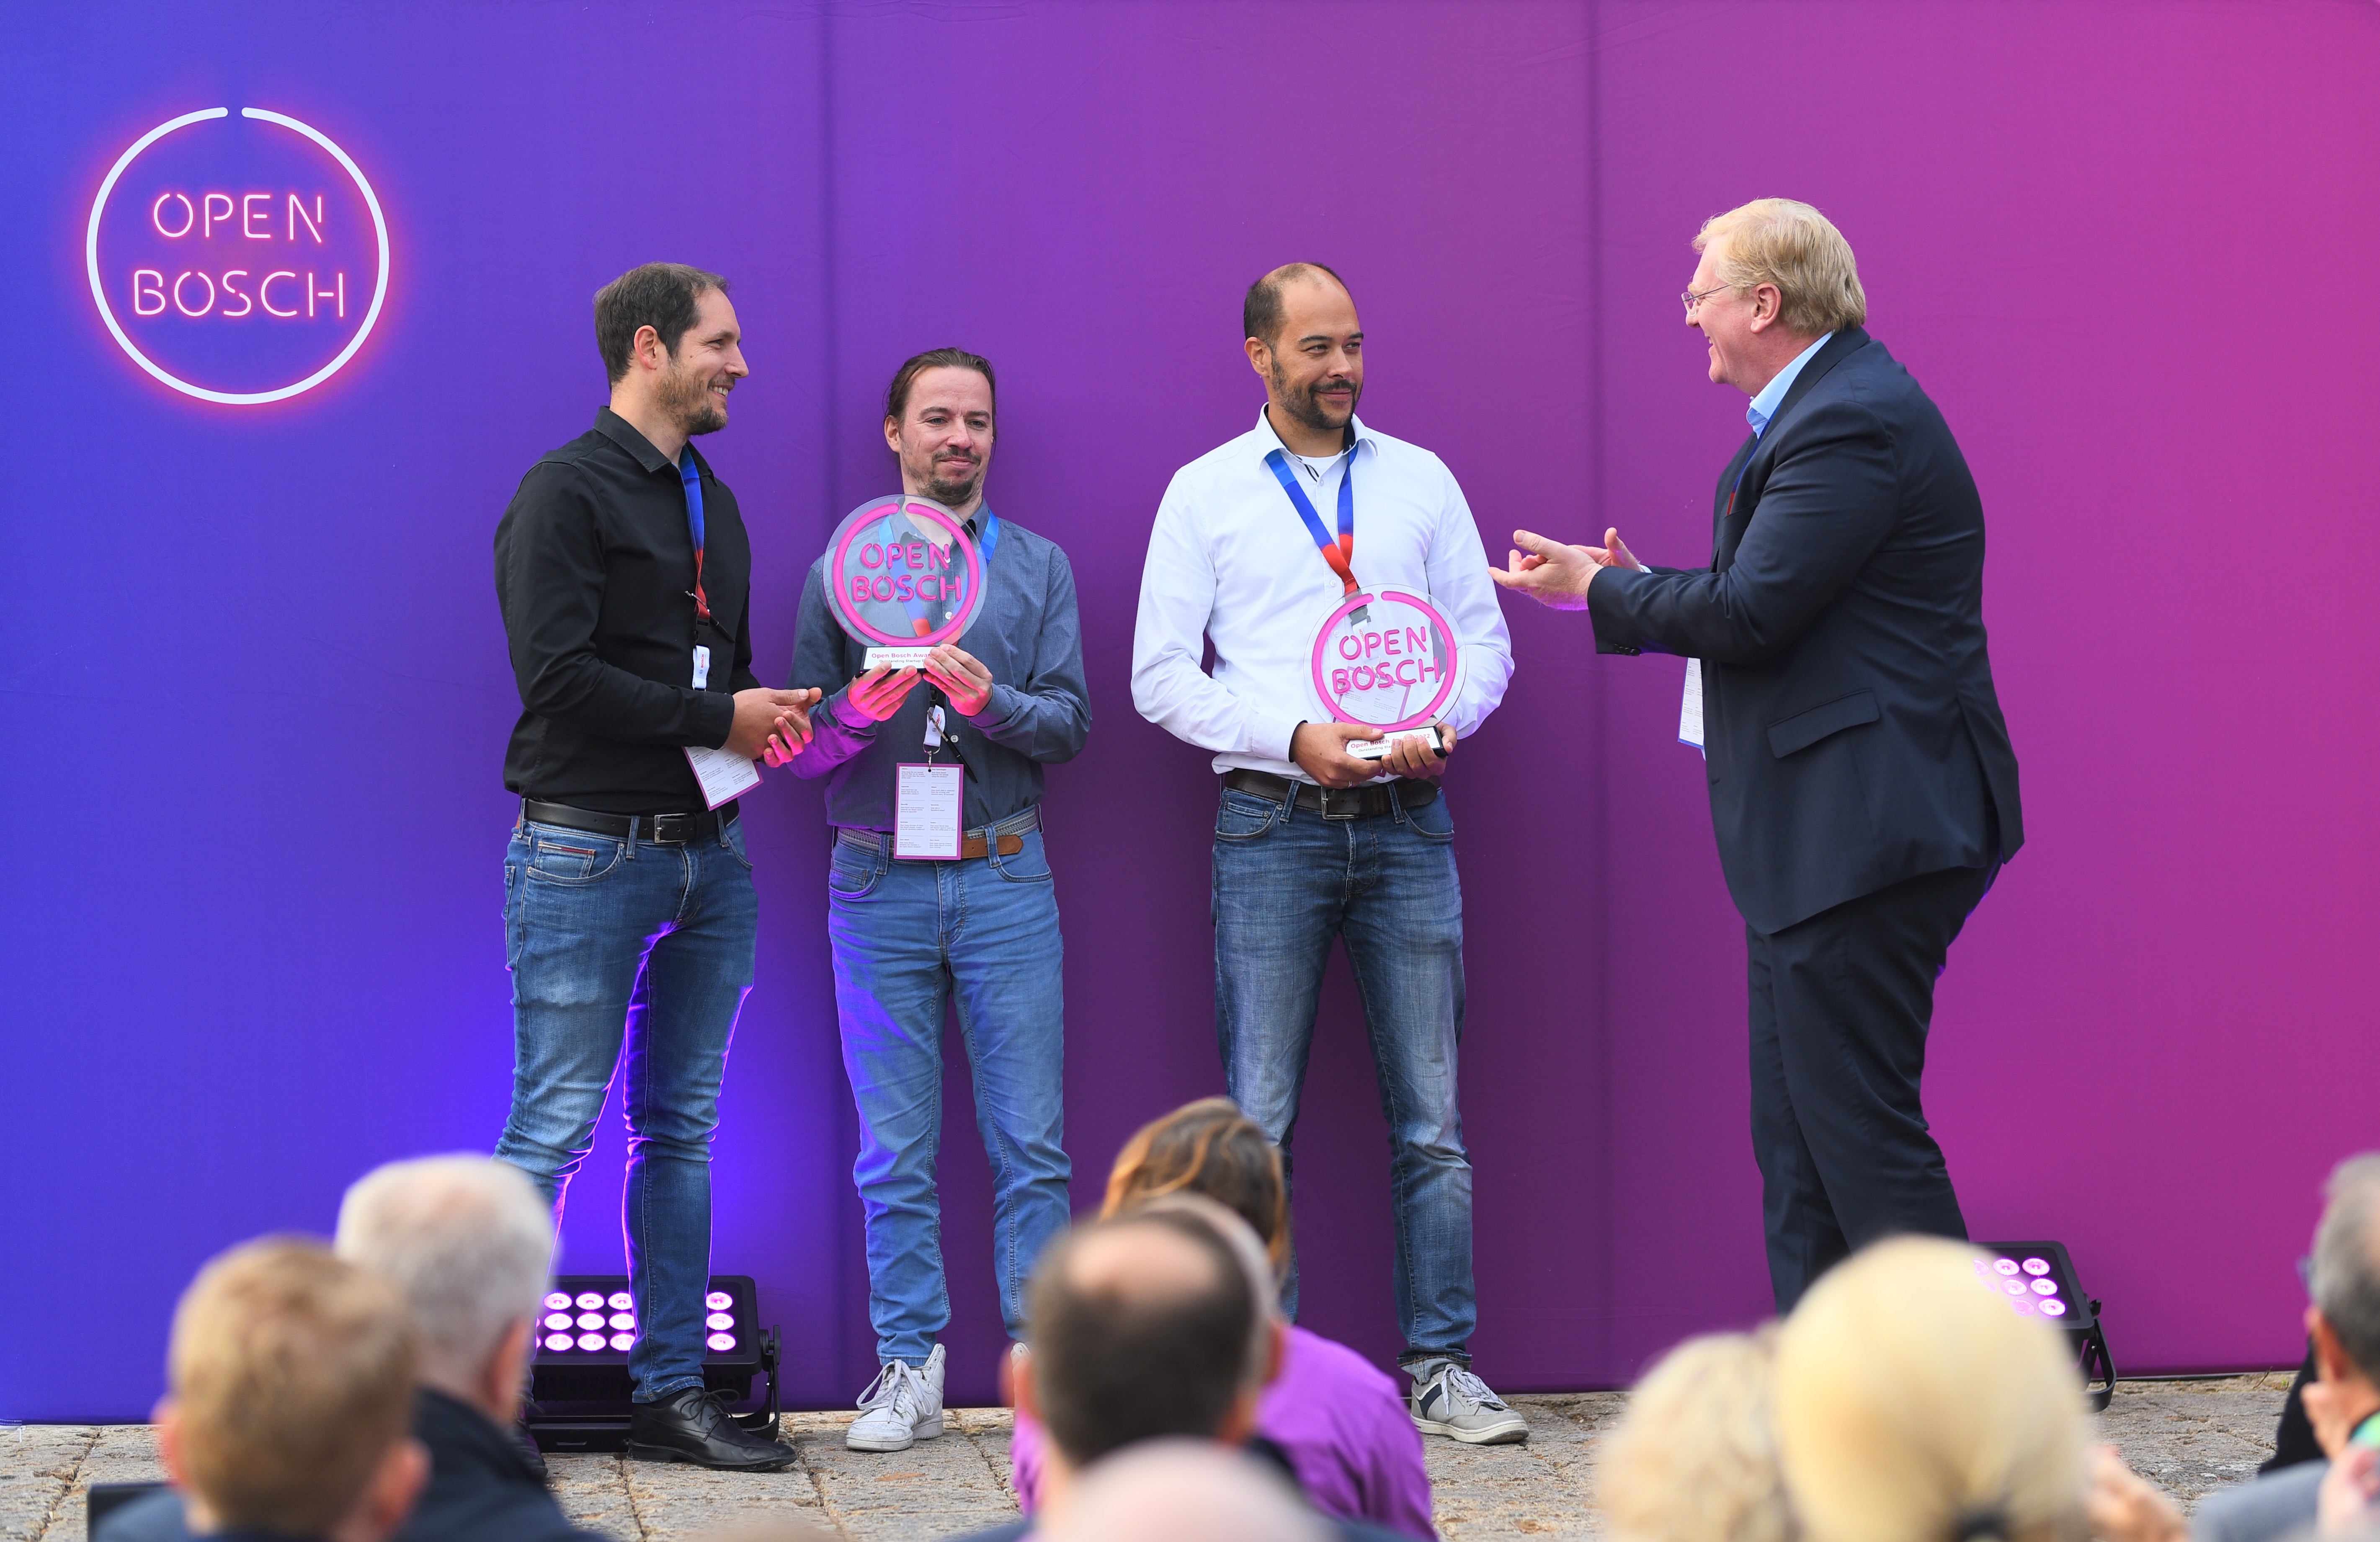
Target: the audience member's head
(1154, 1323)
(1693, 1458)
(292, 1377)
(2344, 1320)
(468, 1241)
(1185, 1491)
(1207, 1147)
(1912, 1405)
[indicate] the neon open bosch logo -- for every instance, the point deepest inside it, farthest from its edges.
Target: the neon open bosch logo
(240, 259)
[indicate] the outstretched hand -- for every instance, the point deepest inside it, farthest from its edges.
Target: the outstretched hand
(1557, 574)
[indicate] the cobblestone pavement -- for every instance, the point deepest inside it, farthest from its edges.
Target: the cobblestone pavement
(2188, 1436)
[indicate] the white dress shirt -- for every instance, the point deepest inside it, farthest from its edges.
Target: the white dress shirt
(1231, 563)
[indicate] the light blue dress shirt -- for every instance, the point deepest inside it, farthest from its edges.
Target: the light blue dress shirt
(1763, 406)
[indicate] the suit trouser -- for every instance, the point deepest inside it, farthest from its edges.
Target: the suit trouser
(1840, 1006)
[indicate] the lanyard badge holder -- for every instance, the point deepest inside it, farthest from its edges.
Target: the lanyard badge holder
(1388, 661)
(930, 802)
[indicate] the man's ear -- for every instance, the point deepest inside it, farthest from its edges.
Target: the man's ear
(648, 337)
(167, 1417)
(1260, 357)
(893, 433)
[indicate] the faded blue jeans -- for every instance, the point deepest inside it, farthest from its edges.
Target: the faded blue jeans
(649, 944)
(1287, 880)
(909, 936)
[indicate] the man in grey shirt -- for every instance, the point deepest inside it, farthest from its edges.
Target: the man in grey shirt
(910, 932)
(2344, 1322)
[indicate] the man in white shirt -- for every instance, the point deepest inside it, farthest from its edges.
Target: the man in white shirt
(1313, 842)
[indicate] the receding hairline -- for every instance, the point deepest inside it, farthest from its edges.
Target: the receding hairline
(1113, 1259)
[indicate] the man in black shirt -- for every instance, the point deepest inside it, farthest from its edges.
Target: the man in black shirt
(624, 571)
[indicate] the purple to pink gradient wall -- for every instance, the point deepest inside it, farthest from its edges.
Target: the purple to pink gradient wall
(253, 695)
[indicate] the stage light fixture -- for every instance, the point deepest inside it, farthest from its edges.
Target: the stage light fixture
(578, 1384)
(2037, 1279)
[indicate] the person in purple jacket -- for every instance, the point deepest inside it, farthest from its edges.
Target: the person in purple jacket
(1335, 1418)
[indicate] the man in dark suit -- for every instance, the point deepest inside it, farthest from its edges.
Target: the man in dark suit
(1863, 787)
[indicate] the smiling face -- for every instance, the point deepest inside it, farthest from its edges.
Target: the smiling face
(704, 367)
(943, 436)
(1314, 368)
(1725, 320)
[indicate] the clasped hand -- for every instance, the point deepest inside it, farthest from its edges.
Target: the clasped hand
(1557, 574)
(878, 693)
(765, 718)
(1320, 751)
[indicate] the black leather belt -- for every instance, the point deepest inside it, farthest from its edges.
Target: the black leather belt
(668, 829)
(1367, 802)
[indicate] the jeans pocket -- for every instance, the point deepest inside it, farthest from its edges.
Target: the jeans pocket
(559, 855)
(1028, 865)
(1433, 821)
(1245, 816)
(735, 834)
(853, 872)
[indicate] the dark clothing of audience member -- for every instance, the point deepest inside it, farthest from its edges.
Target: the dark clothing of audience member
(482, 1489)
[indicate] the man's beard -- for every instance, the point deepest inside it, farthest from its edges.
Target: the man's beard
(687, 402)
(1299, 402)
(953, 494)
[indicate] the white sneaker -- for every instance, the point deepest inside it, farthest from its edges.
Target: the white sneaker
(1448, 1400)
(902, 1406)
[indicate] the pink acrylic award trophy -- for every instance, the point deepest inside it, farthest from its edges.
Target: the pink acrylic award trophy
(1388, 661)
(904, 576)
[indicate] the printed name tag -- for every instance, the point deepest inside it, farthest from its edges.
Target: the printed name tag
(702, 667)
(929, 804)
(1689, 708)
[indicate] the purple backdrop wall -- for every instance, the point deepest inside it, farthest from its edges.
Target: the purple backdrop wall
(251, 675)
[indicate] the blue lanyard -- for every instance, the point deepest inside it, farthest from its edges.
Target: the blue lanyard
(690, 473)
(1341, 553)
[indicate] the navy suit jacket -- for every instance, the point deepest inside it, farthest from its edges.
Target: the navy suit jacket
(1851, 730)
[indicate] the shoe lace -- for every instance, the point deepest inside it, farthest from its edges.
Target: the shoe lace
(1465, 1384)
(895, 1384)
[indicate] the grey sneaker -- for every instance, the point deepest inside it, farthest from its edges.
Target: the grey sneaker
(1448, 1400)
(902, 1406)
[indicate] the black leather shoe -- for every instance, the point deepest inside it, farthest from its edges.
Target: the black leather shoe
(694, 1426)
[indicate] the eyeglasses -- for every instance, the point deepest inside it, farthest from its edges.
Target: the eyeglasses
(1693, 298)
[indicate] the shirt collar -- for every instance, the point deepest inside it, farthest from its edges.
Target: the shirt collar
(1763, 406)
(1269, 437)
(620, 431)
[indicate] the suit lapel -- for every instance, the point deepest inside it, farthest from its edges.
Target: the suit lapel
(1725, 495)
(1729, 530)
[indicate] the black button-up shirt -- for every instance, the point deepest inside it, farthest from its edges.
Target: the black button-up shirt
(595, 573)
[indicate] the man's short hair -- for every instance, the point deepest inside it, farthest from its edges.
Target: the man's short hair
(2346, 1278)
(896, 396)
(294, 1374)
(469, 1241)
(1781, 241)
(666, 297)
(1262, 310)
(1120, 1360)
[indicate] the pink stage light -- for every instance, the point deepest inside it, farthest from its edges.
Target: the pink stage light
(2016, 1287)
(591, 1319)
(721, 1342)
(622, 1341)
(2025, 1306)
(2006, 1266)
(2053, 1308)
(719, 1322)
(622, 1302)
(588, 1301)
(557, 1340)
(557, 1320)
(2037, 1266)
(591, 1341)
(2044, 1287)
(556, 1301)
(719, 1301)
(625, 1321)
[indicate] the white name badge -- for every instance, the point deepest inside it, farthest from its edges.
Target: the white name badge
(893, 658)
(1689, 708)
(929, 805)
(723, 773)
(702, 667)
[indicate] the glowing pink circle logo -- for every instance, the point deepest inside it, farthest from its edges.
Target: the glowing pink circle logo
(903, 572)
(1394, 669)
(239, 260)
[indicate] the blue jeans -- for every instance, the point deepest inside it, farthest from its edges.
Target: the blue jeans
(908, 937)
(610, 941)
(1287, 880)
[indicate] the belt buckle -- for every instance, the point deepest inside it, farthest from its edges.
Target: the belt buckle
(673, 829)
(1354, 796)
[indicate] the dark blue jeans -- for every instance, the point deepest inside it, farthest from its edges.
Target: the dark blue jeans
(1287, 880)
(652, 945)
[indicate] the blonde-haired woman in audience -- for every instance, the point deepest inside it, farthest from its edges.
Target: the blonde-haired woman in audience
(1335, 1418)
(1693, 1458)
(1912, 1405)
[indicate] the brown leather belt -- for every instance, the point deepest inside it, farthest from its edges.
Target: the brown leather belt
(668, 829)
(1366, 802)
(973, 846)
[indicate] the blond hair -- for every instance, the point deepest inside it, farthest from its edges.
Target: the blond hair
(1207, 1147)
(293, 1372)
(1790, 245)
(1693, 1458)
(1912, 1405)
